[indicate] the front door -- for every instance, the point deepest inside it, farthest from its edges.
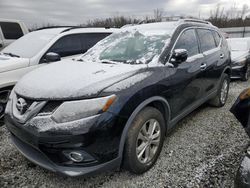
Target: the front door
(186, 79)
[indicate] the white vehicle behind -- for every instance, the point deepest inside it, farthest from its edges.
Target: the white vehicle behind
(11, 30)
(41, 47)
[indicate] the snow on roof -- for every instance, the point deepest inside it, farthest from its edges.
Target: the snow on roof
(153, 28)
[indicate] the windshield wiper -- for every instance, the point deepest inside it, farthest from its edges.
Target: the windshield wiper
(108, 61)
(11, 54)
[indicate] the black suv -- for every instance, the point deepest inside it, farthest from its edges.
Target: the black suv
(113, 106)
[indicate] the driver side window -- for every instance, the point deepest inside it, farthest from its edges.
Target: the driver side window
(188, 41)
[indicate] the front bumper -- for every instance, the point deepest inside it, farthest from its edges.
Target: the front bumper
(238, 71)
(42, 160)
(47, 149)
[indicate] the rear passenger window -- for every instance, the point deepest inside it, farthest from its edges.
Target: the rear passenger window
(88, 40)
(11, 31)
(67, 46)
(188, 41)
(206, 39)
(217, 38)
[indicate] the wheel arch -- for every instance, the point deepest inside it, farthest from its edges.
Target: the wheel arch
(156, 101)
(227, 70)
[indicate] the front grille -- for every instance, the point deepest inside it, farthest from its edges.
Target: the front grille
(24, 109)
(51, 106)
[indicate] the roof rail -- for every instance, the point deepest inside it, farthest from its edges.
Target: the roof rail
(196, 21)
(72, 27)
(52, 27)
(77, 27)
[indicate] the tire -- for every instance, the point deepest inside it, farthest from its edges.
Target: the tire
(220, 99)
(2, 108)
(245, 77)
(4, 95)
(143, 121)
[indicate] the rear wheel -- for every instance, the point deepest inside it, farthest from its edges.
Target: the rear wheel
(220, 99)
(144, 140)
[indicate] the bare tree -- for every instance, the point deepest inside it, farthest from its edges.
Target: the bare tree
(158, 14)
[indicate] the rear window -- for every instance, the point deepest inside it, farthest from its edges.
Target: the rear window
(206, 39)
(11, 30)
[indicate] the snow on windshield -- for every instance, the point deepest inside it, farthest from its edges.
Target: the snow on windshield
(130, 46)
(29, 45)
(238, 45)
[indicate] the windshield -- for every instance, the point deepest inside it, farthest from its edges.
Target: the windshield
(238, 45)
(133, 47)
(28, 45)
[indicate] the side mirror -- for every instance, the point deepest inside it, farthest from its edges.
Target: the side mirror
(52, 57)
(179, 56)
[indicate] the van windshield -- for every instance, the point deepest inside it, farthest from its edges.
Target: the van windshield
(29, 45)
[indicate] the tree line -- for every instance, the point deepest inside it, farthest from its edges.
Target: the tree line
(220, 17)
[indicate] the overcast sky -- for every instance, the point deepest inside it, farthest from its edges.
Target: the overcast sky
(71, 12)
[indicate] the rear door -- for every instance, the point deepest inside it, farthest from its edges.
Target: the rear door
(213, 56)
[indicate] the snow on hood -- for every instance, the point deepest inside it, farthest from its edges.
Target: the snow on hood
(235, 55)
(73, 79)
(8, 63)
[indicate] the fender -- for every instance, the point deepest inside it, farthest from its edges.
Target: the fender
(133, 115)
(227, 68)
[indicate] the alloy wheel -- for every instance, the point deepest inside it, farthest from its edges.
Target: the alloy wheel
(148, 141)
(224, 91)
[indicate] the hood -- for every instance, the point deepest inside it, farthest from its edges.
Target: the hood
(73, 79)
(8, 63)
(236, 55)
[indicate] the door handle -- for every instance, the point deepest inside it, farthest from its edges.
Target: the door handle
(222, 56)
(203, 66)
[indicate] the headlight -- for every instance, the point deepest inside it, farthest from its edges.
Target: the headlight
(245, 94)
(240, 61)
(75, 110)
(9, 103)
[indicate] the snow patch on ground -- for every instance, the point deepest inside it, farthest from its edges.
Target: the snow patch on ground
(202, 169)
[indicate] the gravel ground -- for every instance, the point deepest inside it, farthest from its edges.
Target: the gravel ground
(203, 151)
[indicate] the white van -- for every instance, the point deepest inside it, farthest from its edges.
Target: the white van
(10, 30)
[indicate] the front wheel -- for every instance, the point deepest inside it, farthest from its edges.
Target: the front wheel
(4, 95)
(245, 77)
(220, 99)
(144, 141)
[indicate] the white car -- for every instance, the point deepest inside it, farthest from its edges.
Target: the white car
(11, 30)
(41, 47)
(240, 57)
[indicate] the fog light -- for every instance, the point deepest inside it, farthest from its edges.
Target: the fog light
(76, 156)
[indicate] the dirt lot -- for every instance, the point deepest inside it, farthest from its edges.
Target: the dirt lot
(203, 151)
